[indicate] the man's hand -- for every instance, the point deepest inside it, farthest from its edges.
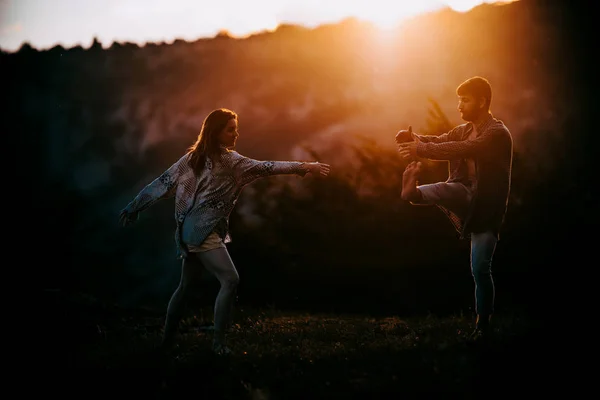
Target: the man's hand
(317, 168)
(126, 218)
(404, 135)
(408, 150)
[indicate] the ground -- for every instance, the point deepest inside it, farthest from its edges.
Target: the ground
(279, 354)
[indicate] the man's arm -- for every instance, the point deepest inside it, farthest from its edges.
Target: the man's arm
(459, 149)
(405, 136)
(451, 135)
(408, 149)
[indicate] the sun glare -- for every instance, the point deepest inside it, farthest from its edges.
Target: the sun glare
(165, 20)
(466, 5)
(266, 15)
(387, 15)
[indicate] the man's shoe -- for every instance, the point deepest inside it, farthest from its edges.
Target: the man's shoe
(480, 335)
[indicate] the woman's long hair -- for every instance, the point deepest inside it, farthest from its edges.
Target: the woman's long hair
(207, 144)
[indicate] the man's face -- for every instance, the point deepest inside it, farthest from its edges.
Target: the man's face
(469, 107)
(229, 134)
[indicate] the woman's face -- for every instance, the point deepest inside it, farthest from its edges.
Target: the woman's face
(229, 134)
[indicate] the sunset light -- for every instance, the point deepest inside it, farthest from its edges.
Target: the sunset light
(74, 22)
(287, 199)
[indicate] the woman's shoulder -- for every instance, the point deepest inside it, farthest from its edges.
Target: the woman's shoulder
(231, 159)
(232, 155)
(182, 165)
(182, 162)
(184, 157)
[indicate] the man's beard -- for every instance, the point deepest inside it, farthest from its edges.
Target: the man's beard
(466, 116)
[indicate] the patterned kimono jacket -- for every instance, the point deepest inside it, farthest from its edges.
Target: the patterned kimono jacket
(204, 203)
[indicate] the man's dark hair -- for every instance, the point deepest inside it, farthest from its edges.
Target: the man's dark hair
(477, 87)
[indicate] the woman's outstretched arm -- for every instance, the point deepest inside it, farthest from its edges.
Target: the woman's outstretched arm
(248, 169)
(160, 188)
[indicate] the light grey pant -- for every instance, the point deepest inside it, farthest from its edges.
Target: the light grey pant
(456, 197)
(219, 263)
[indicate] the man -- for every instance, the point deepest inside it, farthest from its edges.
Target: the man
(475, 195)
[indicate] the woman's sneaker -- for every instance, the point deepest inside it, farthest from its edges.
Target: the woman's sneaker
(206, 328)
(221, 349)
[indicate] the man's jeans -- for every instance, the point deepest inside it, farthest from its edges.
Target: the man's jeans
(483, 246)
(456, 198)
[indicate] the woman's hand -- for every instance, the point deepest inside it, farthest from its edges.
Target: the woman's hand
(126, 218)
(317, 168)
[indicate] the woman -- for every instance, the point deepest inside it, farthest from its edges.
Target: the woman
(206, 183)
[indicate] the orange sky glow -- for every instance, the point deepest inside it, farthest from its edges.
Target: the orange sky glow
(44, 24)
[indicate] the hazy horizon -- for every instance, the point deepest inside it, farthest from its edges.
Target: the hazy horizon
(45, 24)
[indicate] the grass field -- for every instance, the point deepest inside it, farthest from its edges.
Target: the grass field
(279, 354)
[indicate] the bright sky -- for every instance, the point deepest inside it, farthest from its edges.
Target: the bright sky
(45, 23)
